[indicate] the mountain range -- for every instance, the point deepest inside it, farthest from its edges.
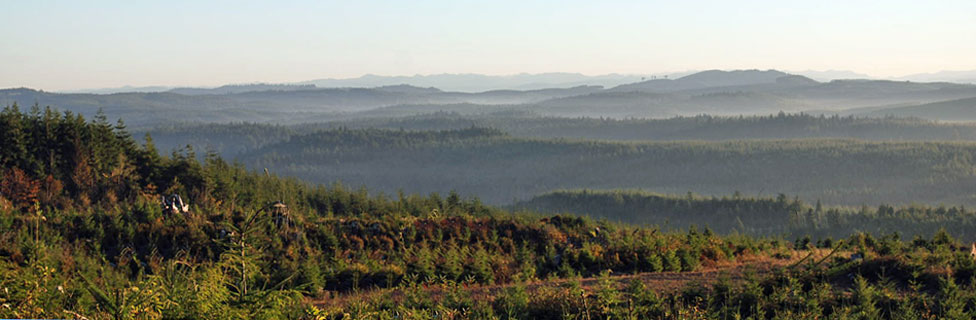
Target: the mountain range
(448, 82)
(524, 81)
(715, 92)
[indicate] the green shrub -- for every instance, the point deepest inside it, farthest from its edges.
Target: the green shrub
(671, 261)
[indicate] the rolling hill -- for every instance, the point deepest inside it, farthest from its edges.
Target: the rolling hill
(500, 168)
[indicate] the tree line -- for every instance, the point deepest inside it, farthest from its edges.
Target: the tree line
(784, 216)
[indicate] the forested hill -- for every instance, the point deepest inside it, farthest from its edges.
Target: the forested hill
(500, 168)
(780, 215)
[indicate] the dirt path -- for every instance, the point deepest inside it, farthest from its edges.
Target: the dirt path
(664, 282)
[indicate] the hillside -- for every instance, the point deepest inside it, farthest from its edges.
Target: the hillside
(500, 168)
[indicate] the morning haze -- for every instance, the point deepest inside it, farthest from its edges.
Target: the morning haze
(497, 160)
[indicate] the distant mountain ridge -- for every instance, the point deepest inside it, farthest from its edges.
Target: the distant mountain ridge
(122, 89)
(481, 83)
(747, 92)
(714, 92)
(468, 83)
(968, 76)
(241, 88)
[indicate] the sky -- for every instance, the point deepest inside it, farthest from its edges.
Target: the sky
(67, 45)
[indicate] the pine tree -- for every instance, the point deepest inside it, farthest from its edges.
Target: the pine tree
(13, 138)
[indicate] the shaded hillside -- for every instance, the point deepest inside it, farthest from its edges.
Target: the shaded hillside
(501, 168)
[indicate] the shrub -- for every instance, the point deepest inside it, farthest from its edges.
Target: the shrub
(671, 261)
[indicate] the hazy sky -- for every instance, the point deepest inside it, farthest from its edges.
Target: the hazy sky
(59, 45)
